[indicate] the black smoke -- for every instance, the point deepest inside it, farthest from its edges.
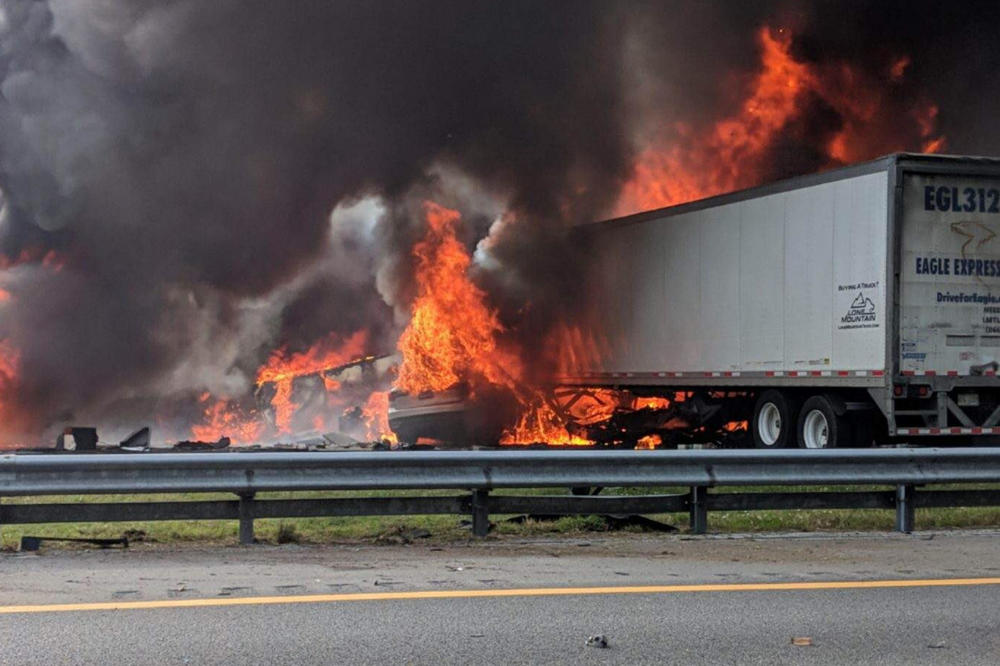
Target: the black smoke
(184, 157)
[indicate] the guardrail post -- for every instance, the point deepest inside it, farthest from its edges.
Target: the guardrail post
(904, 509)
(480, 512)
(698, 507)
(246, 518)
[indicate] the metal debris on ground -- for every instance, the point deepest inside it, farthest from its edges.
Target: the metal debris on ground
(188, 445)
(137, 441)
(802, 641)
(33, 543)
(613, 522)
(402, 536)
(619, 522)
(77, 439)
(597, 641)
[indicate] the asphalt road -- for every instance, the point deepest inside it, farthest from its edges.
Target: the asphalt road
(262, 606)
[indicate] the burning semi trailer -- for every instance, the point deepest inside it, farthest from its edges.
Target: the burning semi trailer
(826, 310)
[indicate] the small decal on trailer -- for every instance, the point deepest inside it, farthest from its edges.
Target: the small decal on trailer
(860, 314)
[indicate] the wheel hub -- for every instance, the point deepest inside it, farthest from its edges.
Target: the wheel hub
(816, 430)
(769, 424)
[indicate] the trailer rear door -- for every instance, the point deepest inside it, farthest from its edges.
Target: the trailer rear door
(950, 275)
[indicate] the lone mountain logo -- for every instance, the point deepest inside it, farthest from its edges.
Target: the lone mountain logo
(861, 314)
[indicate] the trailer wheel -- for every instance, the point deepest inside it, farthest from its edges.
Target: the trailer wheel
(819, 425)
(773, 424)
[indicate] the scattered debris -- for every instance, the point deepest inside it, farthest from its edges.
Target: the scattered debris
(802, 641)
(33, 543)
(340, 440)
(537, 517)
(182, 590)
(137, 441)
(612, 522)
(294, 588)
(77, 439)
(186, 445)
(937, 645)
(597, 641)
(466, 524)
(618, 522)
(401, 536)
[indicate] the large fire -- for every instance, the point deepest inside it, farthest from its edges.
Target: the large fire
(454, 336)
(231, 418)
(732, 153)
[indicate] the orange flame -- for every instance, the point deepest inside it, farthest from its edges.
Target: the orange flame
(10, 362)
(649, 442)
(452, 335)
(50, 259)
(224, 419)
(735, 426)
(651, 402)
(282, 368)
(540, 423)
(375, 414)
(734, 152)
(898, 68)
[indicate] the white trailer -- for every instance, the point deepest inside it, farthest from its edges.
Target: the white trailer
(860, 300)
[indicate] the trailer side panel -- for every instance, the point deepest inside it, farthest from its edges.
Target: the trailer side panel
(790, 284)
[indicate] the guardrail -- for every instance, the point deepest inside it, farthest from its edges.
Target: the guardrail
(479, 472)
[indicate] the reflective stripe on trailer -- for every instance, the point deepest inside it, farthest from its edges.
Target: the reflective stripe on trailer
(948, 373)
(948, 431)
(741, 373)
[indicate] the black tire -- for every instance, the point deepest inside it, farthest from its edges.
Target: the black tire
(820, 427)
(766, 433)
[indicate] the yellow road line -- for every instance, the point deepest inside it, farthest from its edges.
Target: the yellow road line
(479, 594)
